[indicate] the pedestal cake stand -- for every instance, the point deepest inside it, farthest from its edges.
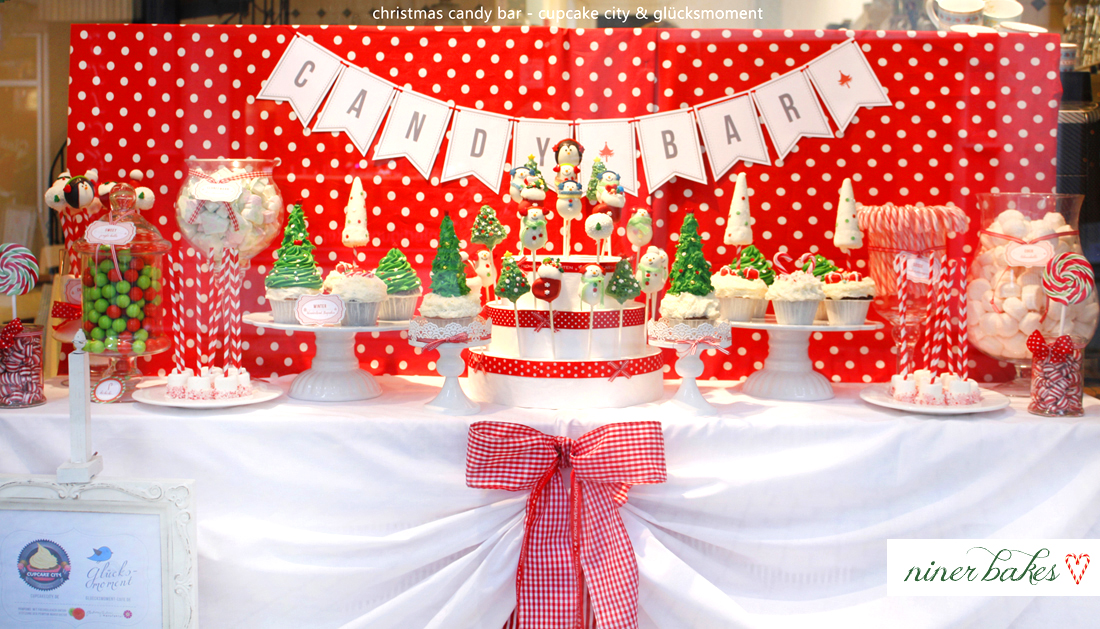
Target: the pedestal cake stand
(788, 372)
(335, 375)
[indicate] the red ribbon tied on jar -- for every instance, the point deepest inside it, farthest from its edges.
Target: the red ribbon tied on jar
(1057, 351)
(567, 538)
(9, 332)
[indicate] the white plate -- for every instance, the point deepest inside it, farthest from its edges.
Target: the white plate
(878, 395)
(769, 323)
(267, 320)
(157, 396)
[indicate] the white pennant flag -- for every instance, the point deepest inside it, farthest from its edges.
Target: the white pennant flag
(478, 147)
(356, 106)
(414, 129)
(612, 141)
(670, 148)
(791, 111)
(732, 133)
(538, 138)
(846, 82)
(303, 76)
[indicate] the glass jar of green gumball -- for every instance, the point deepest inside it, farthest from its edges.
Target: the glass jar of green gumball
(125, 303)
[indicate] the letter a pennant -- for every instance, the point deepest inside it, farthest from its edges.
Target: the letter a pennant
(846, 82)
(303, 76)
(414, 129)
(670, 148)
(356, 106)
(791, 111)
(732, 133)
(479, 147)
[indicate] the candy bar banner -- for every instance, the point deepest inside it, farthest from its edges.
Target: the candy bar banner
(731, 134)
(356, 106)
(303, 76)
(670, 148)
(846, 82)
(791, 111)
(538, 138)
(478, 147)
(612, 142)
(414, 129)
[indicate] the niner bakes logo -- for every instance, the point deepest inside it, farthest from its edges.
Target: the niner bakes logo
(44, 565)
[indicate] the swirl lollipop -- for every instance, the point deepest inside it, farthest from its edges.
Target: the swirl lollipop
(18, 272)
(1068, 280)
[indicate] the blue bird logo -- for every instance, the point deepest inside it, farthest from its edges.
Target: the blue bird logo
(101, 554)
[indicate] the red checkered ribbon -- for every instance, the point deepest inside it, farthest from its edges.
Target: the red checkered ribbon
(235, 177)
(620, 370)
(9, 332)
(542, 321)
(709, 342)
(570, 540)
(65, 311)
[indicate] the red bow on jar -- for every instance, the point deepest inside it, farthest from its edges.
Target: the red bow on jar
(1057, 351)
(9, 332)
(567, 538)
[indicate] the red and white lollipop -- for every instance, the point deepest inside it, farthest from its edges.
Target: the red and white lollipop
(18, 272)
(1068, 279)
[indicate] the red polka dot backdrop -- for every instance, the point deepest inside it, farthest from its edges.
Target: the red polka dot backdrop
(969, 114)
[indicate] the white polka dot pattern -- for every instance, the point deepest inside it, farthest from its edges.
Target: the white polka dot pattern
(970, 114)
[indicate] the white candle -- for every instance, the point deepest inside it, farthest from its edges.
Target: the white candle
(80, 403)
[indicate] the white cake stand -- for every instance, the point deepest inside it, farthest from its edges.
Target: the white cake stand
(335, 375)
(689, 367)
(788, 372)
(452, 399)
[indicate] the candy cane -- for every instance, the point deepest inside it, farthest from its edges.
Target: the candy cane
(962, 347)
(233, 353)
(198, 309)
(901, 266)
(174, 299)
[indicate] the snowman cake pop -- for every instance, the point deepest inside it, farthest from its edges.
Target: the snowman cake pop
(486, 270)
(532, 233)
(599, 227)
(592, 291)
(570, 206)
(652, 273)
(639, 229)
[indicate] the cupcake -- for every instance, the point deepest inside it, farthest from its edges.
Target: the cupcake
(752, 258)
(795, 297)
(402, 287)
(739, 293)
(690, 299)
(295, 272)
(847, 298)
(361, 291)
(822, 267)
(451, 300)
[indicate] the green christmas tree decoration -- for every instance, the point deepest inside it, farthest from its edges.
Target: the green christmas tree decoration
(294, 266)
(448, 269)
(822, 265)
(751, 257)
(487, 229)
(598, 169)
(512, 283)
(533, 167)
(690, 270)
(621, 286)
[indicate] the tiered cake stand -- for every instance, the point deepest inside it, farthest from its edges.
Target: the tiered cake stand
(788, 372)
(689, 344)
(335, 375)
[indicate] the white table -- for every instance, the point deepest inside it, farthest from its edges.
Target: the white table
(775, 514)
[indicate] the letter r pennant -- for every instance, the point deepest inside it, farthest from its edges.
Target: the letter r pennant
(303, 76)
(791, 111)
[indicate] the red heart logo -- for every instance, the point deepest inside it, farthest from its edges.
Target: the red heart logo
(1077, 562)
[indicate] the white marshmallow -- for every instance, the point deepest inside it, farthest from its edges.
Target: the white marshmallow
(1008, 289)
(1030, 323)
(977, 288)
(1015, 308)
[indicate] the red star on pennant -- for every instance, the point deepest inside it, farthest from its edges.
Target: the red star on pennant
(845, 80)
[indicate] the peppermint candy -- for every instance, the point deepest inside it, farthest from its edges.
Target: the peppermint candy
(18, 270)
(1068, 278)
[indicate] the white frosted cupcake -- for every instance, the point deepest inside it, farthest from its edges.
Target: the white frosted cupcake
(848, 296)
(361, 291)
(739, 293)
(441, 310)
(794, 297)
(689, 309)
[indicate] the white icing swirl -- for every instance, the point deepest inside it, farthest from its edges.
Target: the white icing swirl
(726, 286)
(364, 288)
(797, 286)
(850, 290)
(688, 306)
(439, 307)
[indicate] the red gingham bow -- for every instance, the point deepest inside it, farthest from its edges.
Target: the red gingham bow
(567, 538)
(9, 332)
(1056, 351)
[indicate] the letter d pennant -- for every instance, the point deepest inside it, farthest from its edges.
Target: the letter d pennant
(670, 148)
(303, 76)
(478, 147)
(791, 111)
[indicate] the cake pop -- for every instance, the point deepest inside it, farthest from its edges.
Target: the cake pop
(592, 294)
(570, 206)
(652, 273)
(639, 229)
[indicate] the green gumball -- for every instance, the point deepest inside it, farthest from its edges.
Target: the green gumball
(141, 335)
(101, 305)
(157, 300)
(147, 271)
(104, 322)
(118, 325)
(109, 292)
(156, 286)
(122, 301)
(93, 293)
(123, 287)
(143, 281)
(95, 346)
(111, 343)
(138, 347)
(106, 265)
(101, 279)
(133, 310)
(98, 334)
(156, 274)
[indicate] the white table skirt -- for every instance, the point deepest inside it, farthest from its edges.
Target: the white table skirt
(774, 514)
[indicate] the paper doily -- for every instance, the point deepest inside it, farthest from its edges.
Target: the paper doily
(420, 329)
(659, 330)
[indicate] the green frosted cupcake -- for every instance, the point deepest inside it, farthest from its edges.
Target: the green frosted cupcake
(402, 286)
(294, 273)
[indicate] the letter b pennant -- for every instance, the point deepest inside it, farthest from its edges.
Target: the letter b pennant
(791, 111)
(670, 148)
(303, 76)
(478, 147)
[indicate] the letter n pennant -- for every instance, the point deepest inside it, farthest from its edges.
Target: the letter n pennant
(303, 76)
(414, 129)
(670, 148)
(791, 111)
(356, 106)
(478, 147)
(846, 82)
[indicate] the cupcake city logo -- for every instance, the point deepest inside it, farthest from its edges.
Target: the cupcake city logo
(43, 565)
(991, 567)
